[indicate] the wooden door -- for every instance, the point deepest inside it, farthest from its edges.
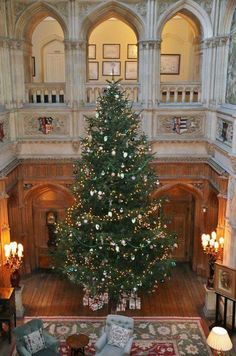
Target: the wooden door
(47, 201)
(42, 234)
(179, 212)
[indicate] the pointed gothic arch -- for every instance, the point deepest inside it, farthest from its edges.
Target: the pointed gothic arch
(193, 9)
(112, 9)
(33, 15)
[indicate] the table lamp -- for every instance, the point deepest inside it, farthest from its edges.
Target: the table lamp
(219, 341)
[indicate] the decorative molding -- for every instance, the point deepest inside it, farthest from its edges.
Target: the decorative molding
(206, 4)
(165, 4)
(9, 168)
(59, 126)
(20, 7)
(180, 125)
(75, 146)
(141, 8)
(198, 185)
(224, 131)
(150, 44)
(4, 130)
(75, 45)
(61, 7)
(217, 41)
(28, 186)
(233, 163)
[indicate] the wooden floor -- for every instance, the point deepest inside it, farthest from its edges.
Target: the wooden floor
(45, 293)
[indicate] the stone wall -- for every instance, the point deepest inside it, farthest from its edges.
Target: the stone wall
(231, 80)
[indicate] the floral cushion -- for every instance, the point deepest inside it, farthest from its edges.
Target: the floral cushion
(118, 336)
(35, 342)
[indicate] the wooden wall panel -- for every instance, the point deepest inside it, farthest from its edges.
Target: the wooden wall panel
(32, 183)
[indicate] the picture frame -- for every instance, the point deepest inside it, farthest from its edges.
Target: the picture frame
(132, 51)
(131, 70)
(111, 68)
(170, 64)
(111, 51)
(93, 70)
(225, 281)
(33, 67)
(91, 51)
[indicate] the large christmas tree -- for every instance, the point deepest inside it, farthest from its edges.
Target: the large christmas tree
(114, 241)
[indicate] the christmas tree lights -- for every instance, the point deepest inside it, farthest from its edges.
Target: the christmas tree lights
(114, 241)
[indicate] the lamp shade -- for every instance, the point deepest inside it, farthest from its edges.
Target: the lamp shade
(219, 339)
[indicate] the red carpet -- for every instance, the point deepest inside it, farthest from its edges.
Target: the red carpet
(153, 336)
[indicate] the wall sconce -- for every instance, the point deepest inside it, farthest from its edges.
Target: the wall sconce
(204, 209)
(212, 247)
(14, 256)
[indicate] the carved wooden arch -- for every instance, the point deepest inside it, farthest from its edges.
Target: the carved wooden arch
(197, 193)
(39, 189)
(188, 7)
(112, 9)
(33, 15)
(28, 219)
(225, 28)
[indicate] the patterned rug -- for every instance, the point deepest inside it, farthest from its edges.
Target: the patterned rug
(153, 336)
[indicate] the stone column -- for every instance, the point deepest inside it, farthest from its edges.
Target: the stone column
(27, 66)
(16, 57)
(207, 58)
(5, 68)
(220, 75)
(75, 54)
(4, 233)
(149, 72)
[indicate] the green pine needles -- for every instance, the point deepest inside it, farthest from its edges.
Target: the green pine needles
(114, 239)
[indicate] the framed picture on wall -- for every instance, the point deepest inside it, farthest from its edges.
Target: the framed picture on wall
(92, 51)
(170, 64)
(132, 51)
(93, 71)
(111, 51)
(33, 67)
(131, 70)
(225, 281)
(111, 68)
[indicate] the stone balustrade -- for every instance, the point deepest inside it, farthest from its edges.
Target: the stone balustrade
(45, 93)
(182, 93)
(171, 93)
(94, 90)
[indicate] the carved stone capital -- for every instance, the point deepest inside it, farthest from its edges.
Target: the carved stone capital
(217, 41)
(233, 163)
(75, 45)
(75, 146)
(150, 44)
(15, 44)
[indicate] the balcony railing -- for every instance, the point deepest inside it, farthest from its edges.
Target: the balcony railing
(94, 90)
(180, 93)
(45, 93)
(171, 93)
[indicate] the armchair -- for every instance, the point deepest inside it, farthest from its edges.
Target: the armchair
(103, 348)
(51, 342)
